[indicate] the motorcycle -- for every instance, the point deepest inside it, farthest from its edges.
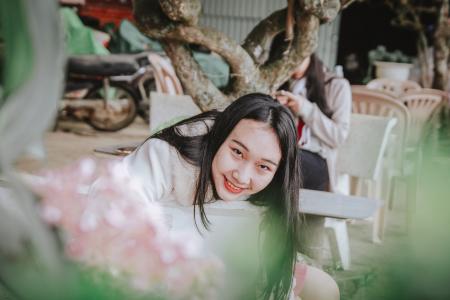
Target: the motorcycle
(107, 91)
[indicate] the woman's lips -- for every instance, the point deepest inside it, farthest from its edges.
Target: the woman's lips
(231, 187)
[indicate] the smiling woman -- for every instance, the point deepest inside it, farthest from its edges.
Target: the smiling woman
(247, 161)
(245, 153)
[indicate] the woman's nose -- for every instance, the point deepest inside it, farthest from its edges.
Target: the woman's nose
(242, 175)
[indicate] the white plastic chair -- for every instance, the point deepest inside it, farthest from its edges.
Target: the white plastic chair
(361, 156)
(166, 108)
(392, 86)
(377, 103)
(421, 106)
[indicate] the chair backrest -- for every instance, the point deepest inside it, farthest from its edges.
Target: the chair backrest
(421, 106)
(166, 79)
(444, 95)
(170, 108)
(372, 102)
(392, 86)
(362, 153)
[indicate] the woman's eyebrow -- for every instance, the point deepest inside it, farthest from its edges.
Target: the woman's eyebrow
(246, 149)
(270, 162)
(240, 144)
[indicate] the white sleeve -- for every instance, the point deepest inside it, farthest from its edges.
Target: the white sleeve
(151, 165)
(332, 131)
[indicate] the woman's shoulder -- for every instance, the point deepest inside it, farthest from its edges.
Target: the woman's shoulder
(336, 85)
(335, 80)
(160, 164)
(154, 151)
(157, 145)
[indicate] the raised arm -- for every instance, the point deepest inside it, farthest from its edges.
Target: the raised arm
(334, 130)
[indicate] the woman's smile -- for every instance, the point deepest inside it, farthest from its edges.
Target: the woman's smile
(231, 187)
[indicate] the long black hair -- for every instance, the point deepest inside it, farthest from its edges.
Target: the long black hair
(280, 197)
(315, 84)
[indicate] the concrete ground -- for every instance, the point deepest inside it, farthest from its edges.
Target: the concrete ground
(75, 140)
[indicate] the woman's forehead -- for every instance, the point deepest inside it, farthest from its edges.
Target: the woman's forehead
(258, 137)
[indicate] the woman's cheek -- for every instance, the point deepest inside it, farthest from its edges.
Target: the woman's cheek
(228, 161)
(265, 181)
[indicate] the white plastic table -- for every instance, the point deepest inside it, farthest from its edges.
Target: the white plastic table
(335, 205)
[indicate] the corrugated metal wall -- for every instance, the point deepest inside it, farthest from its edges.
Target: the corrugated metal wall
(237, 18)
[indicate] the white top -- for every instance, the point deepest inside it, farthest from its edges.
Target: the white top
(234, 231)
(322, 134)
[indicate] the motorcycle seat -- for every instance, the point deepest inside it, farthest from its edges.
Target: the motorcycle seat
(102, 65)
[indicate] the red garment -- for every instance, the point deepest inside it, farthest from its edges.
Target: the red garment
(300, 126)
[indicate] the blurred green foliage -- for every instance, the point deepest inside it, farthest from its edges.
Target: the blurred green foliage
(421, 270)
(16, 54)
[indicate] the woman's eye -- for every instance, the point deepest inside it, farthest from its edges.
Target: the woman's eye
(264, 167)
(237, 152)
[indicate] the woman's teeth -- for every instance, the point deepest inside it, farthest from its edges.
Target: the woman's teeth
(231, 187)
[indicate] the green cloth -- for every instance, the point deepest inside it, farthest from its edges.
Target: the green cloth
(137, 42)
(131, 40)
(128, 39)
(79, 38)
(17, 49)
(215, 67)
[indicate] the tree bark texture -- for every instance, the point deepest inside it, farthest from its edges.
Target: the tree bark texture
(174, 24)
(424, 62)
(441, 48)
(410, 16)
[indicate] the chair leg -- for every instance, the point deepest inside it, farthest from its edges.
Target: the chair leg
(379, 224)
(380, 215)
(339, 241)
(393, 185)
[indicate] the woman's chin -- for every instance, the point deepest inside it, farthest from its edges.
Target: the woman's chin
(228, 196)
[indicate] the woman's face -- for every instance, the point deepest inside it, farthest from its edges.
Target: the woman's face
(300, 71)
(247, 161)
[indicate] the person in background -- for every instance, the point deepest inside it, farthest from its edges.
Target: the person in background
(322, 103)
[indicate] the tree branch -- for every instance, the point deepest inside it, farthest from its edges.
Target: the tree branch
(172, 24)
(242, 66)
(347, 3)
(290, 21)
(304, 43)
(263, 32)
(195, 83)
(325, 10)
(441, 49)
(186, 11)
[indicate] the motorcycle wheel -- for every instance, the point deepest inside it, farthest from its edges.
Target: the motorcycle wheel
(118, 112)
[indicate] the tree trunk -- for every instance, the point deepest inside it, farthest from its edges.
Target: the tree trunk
(174, 24)
(441, 49)
(424, 62)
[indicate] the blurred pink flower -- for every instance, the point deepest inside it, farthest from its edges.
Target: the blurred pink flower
(107, 224)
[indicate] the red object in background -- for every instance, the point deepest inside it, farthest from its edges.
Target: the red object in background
(108, 11)
(300, 126)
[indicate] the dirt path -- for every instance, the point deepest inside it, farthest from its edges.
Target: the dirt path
(75, 140)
